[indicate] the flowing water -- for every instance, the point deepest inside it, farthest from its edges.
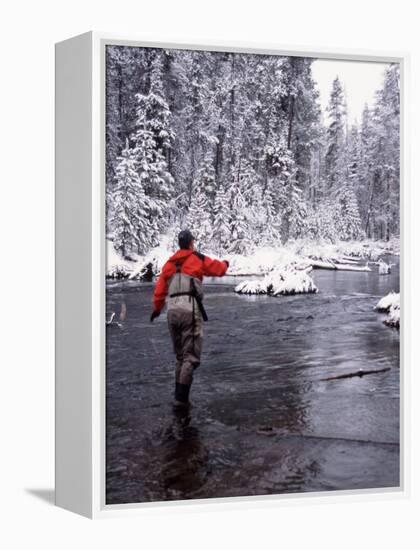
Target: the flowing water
(263, 421)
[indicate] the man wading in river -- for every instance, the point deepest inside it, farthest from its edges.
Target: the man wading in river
(181, 281)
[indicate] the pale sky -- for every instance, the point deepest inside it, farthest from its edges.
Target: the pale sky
(360, 80)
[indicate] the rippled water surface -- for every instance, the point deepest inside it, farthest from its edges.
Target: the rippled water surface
(263, 421)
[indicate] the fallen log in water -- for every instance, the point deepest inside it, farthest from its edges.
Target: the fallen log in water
(322, 264)
(329, 264)
(359, 373)
(352, 259)
(345, 267)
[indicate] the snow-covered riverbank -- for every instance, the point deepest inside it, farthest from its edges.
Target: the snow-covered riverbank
(301, 254)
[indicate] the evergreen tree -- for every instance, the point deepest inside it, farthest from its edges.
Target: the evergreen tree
(271, 221)
(349, 210)
(153, 137)
(198, 219)
(346, 214)
(384, 200)
(286, 196)
(335, 135)
(365, 188)
(206, 183)
(321, 222)
(217, 136)
(240, 242)
(130, 217)
(221, 229)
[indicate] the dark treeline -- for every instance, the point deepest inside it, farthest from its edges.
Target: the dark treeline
(235, 147)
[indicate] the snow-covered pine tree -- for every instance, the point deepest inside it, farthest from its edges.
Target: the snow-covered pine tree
(255, 211)
(270, 228)
(205, 182)
(366, 167)
(384, 200)
(346, 213)
(221, 229)
(248, 181)
(303, 118)
(321, 221)
(130, 216)
(286, 196)
(240, 241)
(152, 142)
(297, 212)
(340, 177)
(198, 219)
(122, 67)
(239, 228)
(197, 116)
(335, 135)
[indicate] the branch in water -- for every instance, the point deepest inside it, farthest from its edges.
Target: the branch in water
(359, 373)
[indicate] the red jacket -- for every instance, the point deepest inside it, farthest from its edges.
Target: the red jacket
(192, 263)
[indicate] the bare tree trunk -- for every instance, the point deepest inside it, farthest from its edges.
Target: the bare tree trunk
(291, 118)
(370, 195)
(388, 207)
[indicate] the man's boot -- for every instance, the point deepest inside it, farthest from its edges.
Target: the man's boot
(182, 392)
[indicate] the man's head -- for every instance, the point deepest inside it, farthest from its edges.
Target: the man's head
(186, 239)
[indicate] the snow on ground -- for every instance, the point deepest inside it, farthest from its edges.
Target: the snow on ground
(345, 250)
(390, 304)
(156, 257)
(280, 282)
(298, 254)
(117, 267)
(263, 260)
(302, 253)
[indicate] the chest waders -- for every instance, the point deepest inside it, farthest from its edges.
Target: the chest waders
(185, 329)
(192, 293)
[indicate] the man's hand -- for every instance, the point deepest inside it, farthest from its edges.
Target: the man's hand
(154, 315)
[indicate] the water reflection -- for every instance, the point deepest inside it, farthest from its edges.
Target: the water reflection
(183, 459)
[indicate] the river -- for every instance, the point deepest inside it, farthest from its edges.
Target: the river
(263, 421)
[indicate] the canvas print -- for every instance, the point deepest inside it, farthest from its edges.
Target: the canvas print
(252, 291)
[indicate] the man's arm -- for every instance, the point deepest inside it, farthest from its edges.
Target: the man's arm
(214, 268)
(161, 288)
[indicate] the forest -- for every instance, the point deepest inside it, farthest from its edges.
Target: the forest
(236, 147)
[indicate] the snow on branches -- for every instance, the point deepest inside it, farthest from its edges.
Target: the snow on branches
(234, 146)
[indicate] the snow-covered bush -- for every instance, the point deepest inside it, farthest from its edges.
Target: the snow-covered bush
(279, 282)
(393, 319)
(293, 282)
(385, 303)
(390, 304)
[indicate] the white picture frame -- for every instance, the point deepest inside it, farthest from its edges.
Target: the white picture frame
(80, 274)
